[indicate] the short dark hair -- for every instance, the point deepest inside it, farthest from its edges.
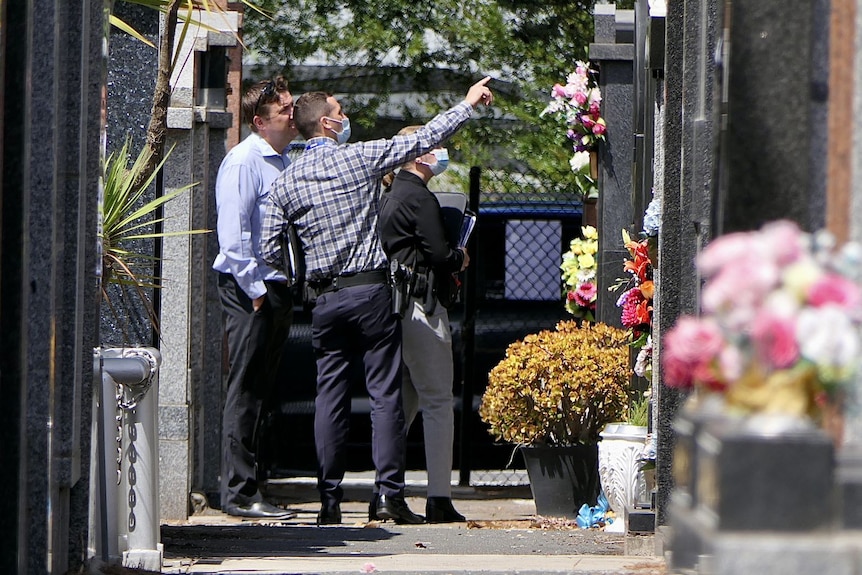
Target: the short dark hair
(308, 110)
(257, 99)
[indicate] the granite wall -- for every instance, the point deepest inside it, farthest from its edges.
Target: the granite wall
(51, 117)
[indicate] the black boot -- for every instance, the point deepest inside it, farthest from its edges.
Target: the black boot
(440, 510)
(395, 508)
(372, 507)
(330, 514)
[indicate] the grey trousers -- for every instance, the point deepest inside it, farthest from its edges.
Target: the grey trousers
(428, 374)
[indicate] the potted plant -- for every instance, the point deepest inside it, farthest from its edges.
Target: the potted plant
(127, 219)
(621, 456)
(551, 396)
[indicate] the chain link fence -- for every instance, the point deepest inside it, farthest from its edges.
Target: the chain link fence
(512, 289)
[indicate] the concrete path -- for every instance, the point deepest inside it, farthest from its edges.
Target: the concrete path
(502, 536)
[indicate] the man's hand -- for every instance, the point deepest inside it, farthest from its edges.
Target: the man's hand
(466, 261)
(257, 302)
(479, 93)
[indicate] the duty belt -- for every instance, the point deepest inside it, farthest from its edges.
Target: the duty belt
(346, 281)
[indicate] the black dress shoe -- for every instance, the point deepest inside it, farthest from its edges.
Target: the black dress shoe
(259, 510)
(372, 507)
(329, 514)
(440, 510)
(395, 508)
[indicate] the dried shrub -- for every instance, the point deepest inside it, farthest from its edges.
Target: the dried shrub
(559, 387)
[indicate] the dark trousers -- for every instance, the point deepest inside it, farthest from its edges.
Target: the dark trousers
(352, 325)
(255, 341)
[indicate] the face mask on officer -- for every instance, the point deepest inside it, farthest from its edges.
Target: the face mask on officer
(442, 155)
(344, 135)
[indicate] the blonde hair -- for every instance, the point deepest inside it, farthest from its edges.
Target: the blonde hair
(390, 177)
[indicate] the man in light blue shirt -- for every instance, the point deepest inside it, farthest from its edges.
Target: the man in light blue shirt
(255, 297)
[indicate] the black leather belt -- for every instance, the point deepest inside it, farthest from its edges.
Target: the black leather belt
(346, 281)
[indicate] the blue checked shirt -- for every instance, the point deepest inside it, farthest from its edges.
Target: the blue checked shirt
(331, 195)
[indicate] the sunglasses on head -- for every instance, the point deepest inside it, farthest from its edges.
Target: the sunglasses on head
(266, 93)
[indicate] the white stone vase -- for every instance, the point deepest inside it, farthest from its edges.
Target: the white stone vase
(619, 465)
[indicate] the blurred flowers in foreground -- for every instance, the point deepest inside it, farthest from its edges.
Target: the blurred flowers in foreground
(579, 274)
(780, 326)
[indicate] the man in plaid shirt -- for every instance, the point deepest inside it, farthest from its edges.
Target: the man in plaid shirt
(331, 194)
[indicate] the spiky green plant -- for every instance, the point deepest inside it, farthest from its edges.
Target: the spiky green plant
(126, 219)
(638, 409)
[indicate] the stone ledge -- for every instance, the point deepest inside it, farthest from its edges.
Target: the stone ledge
(600, 52)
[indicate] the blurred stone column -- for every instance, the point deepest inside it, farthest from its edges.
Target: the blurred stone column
(774, 150)
(52, 116)
(844, 213)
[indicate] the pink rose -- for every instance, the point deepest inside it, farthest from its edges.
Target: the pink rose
(689, 349)
(742, 284)
(785, 240)
(580, 98)
(599, 129)
(587, 121)
(774, 339)
(834, 289)
(558, 91)
(724, 250)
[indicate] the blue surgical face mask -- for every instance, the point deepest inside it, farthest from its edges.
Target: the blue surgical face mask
(344, 134)
(442, 156)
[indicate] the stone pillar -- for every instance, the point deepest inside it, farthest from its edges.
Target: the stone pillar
(845, 214)
(51, 119)
(613, 52)
(190, 398)
(764, 171)
(775, 147)
(685, 184)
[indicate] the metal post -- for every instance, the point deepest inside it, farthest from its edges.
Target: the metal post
(468, 339)
(130, 500)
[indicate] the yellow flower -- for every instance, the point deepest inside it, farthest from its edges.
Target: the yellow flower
(586, 260)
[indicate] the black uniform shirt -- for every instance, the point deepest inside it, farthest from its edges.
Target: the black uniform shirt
(411, 227)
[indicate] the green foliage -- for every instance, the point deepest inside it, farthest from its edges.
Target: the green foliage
(559, 387)
(638, 410)
(126, 220)
(526, 44)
